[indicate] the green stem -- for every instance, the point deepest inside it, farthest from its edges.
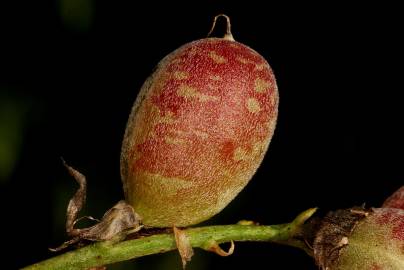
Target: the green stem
(103, 253)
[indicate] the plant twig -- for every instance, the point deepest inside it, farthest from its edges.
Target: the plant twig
(107, 252)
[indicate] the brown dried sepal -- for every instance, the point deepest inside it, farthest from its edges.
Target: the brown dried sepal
(333, 235)
(183, 245)
(214, 247)
(116, 223)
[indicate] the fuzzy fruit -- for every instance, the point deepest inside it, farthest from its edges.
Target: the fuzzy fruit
(377, 242)
(198, 131)
(363, 240)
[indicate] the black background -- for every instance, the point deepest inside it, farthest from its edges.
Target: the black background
(338, 141)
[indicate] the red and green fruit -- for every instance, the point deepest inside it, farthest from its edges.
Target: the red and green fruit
(198, 131)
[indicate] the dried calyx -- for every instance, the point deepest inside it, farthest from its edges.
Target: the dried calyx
(116, 223)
